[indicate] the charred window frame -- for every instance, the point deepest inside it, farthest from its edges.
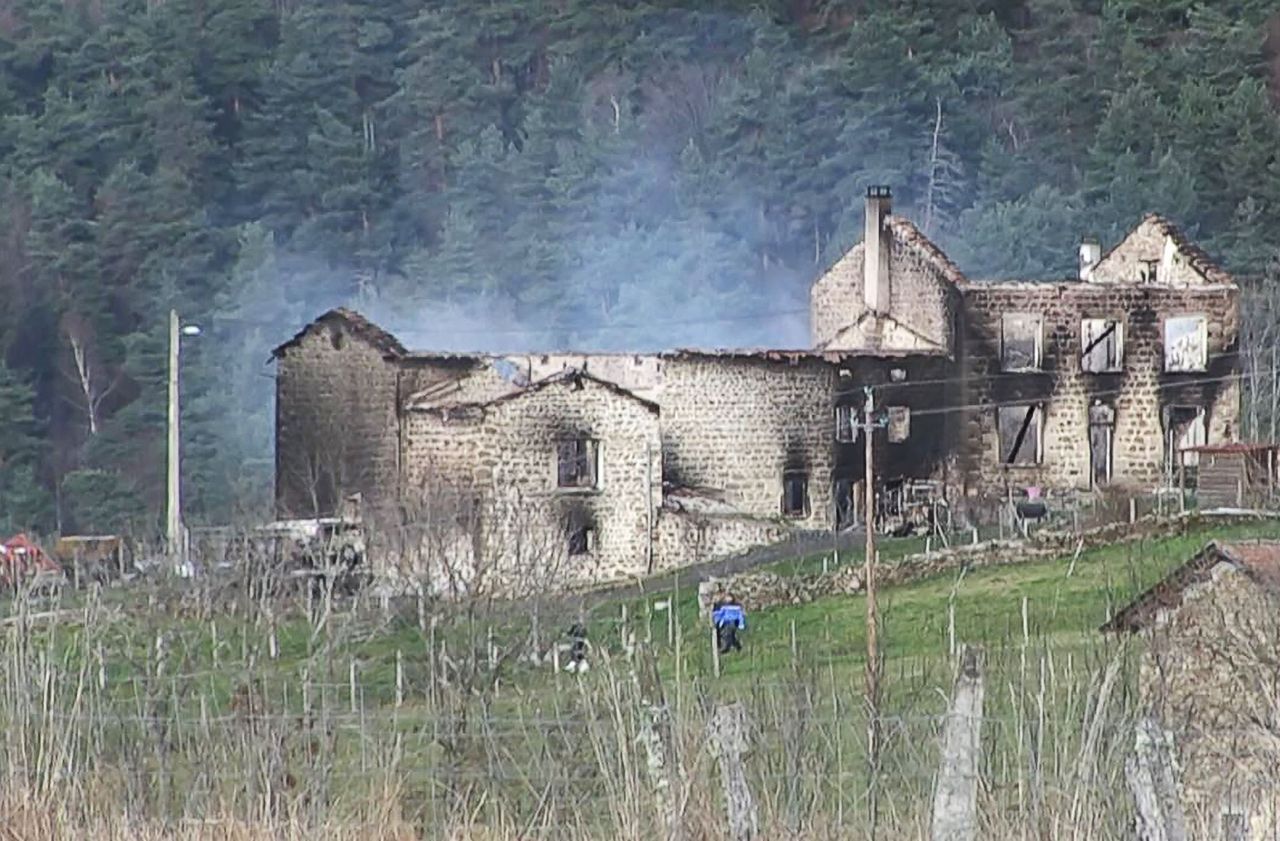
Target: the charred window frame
(842, 491)
(899, 424)
(846, 425)
(581, 539)
(1184, 427)
(1021, 342)
(578, 464)
(1020, 433)
(1186, 343)
(1101, 345)
(1102, 432)
(795, 493)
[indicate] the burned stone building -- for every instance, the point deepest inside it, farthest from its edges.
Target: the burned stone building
(602, 466)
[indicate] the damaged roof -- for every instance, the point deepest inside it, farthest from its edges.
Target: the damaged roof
(1260, 560)
(571, 376)
(357, 325)
(1196, 256)
(911, 236)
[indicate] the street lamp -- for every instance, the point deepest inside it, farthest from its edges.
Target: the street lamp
(174, 532)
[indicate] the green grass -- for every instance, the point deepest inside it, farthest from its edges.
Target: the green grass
(807, 700)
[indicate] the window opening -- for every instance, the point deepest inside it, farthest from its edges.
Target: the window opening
(1020, 342)
(846, 425)
(1019, 431)
(795, 494)
(843, 494)
(1184, 428)
(1186, 343)
(582, 540)
(577, 463)
(1101, 345)
(899, 424)
(1102, 430)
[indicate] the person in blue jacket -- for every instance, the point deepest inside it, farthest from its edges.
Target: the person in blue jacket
(728, 617)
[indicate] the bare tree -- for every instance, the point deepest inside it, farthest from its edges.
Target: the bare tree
(92, 378)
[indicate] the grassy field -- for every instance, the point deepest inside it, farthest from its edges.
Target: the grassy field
(199, 701)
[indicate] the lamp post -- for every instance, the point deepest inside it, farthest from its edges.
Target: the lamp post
(175, 536)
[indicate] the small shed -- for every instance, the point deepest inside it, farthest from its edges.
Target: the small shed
(1235, 474)
(1209, 632)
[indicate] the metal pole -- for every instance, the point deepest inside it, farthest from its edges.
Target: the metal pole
(173, 532)
(873, 645)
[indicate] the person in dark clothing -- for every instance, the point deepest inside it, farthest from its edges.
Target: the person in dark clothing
(577, 648)
(729, 618)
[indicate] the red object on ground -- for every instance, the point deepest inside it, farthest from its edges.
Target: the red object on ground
(21, 557)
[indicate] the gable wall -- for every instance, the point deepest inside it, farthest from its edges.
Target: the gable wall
(505, 454)
(336, 429)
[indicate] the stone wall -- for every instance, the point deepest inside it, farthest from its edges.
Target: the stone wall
(504, 456)
(760, 590)
(1137, 393)
(921, 297)
(737, 424)
(336, 428)
(1208, 672)
(686, 538)
(1155, 246)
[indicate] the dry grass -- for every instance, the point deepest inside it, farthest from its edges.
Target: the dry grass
(209, 713)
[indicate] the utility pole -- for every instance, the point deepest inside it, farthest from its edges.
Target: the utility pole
(173, 531)
(873, 644)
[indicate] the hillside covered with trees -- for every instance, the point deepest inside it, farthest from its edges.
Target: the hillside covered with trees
(509, 174)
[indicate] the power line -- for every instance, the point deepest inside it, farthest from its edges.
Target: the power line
(943, 410)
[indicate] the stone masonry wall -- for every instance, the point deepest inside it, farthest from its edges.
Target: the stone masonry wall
(685, 538)
(336, 429)
(1137, 393)
(1208, 674)
(506, 454)
(737, 424)
(1132, 258)
(835, 299)
(919, 297)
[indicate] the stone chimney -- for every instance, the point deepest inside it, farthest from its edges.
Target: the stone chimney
(1090, 254)
(877, 243)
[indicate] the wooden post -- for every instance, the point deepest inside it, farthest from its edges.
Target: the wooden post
(399, 678)
(955, 802)
(795, 648)
(951, 627)
(1153, 783)
(656, 737)
(715, 652)
(1133, 510)
(873, 643)
(351, 679)
(727, 738)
